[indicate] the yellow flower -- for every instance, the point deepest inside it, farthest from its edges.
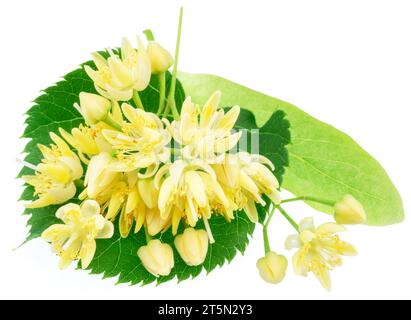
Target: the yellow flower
(157, 257)
(155, 223)
(125, 198)
(349, 211)
(117, 77)
(149, 196)
(75, 239)
(148, 192)
(186, 193)
(121, 195)
(54, 178)
(93, 107)
(244, 178)
(192, 246)
(272, 267)
(206, 133)
(161, 59)
(141, 144)
(133, 210)
(184, 188)
(98, 176)
(87, 140)
(319, 249)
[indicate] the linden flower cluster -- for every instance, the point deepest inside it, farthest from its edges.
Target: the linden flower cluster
(144, 170)
(151, 172)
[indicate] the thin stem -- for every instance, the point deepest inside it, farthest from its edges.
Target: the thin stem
(175, 151)
(167, 110)
(162, 85)
(79, 183)
(109, 120)
(149, 34)
(27, 164)
(313, 199)
(265, 231)
(289, 219)
(270, 216)
(148, 237)
(267, 247)
(209, 232)
(137, 100)
(171, 103)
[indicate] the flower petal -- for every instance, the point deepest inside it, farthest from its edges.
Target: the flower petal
(307, 224)
(330, 228)
(90, 208)
(292, 242)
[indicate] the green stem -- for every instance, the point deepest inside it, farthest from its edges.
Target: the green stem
(289, 219)
(137, 100)
(167, 110)
(79, 183)
(149, 34)
(270, 216)
(162, 84)
(175, 151)
(313, 199)
(265, 231)
(109, 120)
(148, 237)
(171, 103)
(266, 241)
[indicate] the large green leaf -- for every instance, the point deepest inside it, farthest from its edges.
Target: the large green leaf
(324, 162)
(117, 256)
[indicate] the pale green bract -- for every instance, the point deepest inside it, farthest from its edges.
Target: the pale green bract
(323, 161)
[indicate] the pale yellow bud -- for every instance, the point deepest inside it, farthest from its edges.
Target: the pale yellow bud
(157, 257)
(155, 223)
(148, 192)
(192, 246)
(94, 108)
(98, 177)
(272, 267)
(160, 58)
(349, 211)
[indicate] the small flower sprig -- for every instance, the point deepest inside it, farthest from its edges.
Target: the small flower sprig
(319, 250)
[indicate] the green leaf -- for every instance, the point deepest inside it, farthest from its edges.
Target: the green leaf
(324, 162)
(118, 256)
(273, 137)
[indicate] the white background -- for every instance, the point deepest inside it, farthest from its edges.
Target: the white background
(345, 62)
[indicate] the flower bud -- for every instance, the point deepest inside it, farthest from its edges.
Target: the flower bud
(148, 192)
(98, 177)
(155, 223)
(272, 267)
(160, 58)
(192, 246)
(157, 257)
(349, 211)
(94, 108)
